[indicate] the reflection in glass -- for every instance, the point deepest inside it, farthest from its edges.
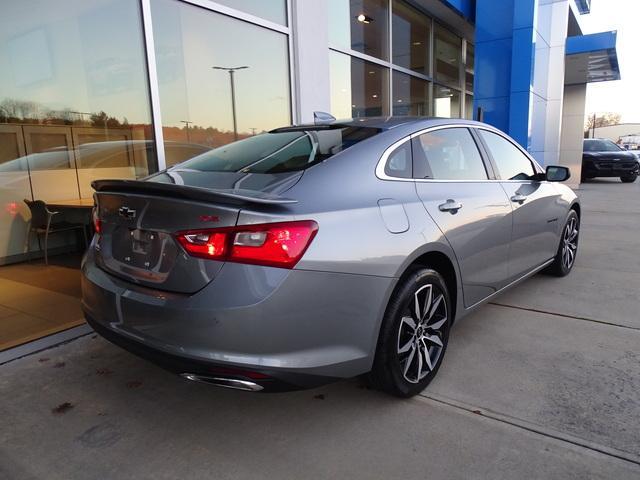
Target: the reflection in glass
(272, 10)
(448, 56)
(73, 102)
(360, 25)
(198, 53)
(410, 95)
(358, 88)
(446, 102)
(411, 31)
(469, 72)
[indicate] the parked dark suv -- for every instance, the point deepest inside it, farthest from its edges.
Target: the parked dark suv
(603, 158)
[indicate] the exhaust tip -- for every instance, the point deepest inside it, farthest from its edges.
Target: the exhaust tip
(233, 383)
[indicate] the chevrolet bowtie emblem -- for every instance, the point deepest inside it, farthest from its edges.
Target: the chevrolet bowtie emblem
(127, 212)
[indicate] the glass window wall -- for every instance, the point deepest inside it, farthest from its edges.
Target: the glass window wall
(446, 102)
(410, 95)
(358, 88)
(469, 71)
(448, 56)
(360, 25)
(74, 104)
(411, 37)
(272, 10)
(468, 108)
(421, 52)
(220, 79)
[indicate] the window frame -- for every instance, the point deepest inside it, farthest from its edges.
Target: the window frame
(486, 160)
(536, 167)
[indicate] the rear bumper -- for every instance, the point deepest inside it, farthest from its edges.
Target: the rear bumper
(268, 380)
(298, 328)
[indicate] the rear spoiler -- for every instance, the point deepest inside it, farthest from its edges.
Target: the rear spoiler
(234, 197)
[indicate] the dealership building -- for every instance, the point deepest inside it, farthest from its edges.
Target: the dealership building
(122, 88)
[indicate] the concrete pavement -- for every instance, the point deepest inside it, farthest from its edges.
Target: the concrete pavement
(543, 383)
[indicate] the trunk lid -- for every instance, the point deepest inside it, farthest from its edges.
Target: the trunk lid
(140, 218)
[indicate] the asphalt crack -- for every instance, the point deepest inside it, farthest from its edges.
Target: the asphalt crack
(564, 315)
(534, 428)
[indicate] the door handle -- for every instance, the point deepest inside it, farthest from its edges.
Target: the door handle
(518, 198)
(450, 206)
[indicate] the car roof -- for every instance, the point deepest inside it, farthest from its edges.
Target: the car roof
(382, 123)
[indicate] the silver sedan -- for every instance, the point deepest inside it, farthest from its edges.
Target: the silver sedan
(318, 252)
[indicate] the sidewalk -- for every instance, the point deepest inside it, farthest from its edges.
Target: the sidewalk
(542, 383)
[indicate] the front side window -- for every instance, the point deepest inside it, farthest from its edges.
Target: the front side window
(448, 154)
(511, 162)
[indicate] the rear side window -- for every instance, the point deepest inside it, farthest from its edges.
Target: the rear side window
(399, 164)
(511, 162)
(448, 154)
(286, 150)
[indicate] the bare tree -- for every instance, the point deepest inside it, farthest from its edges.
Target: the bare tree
(595, 121)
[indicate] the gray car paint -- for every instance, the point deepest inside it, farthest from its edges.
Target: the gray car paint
(323, 317)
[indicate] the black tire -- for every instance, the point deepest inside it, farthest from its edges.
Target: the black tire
(628, 179)
(390, 372)
(560, 267)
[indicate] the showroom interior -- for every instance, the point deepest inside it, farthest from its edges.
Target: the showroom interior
(124, 88)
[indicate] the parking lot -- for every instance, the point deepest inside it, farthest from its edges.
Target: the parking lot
(544, 382)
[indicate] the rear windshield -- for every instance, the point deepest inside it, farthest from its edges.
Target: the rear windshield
(286, 150)
(600, 146)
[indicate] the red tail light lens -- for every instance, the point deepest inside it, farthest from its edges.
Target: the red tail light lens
(205, 244)
(97, 223)
(272, 244)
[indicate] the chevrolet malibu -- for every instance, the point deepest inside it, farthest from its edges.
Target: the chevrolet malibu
(313, 253)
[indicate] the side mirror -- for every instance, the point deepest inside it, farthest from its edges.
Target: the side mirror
(557, 173)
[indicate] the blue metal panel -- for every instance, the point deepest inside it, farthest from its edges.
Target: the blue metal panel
(520, 104)
(584, 6)
(466, 8)
(494, 20)
(591, 43)
(505, 59)
(522, 62)
(492, 69)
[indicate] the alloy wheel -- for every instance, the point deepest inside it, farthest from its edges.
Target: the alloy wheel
(570, 243)
(420, 335)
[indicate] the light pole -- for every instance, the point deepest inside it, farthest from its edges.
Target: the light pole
(187, 122)
(231, 71)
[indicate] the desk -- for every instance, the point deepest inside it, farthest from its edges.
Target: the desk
(81, 203)
(77, 210)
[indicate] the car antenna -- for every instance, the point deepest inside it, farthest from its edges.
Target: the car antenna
(323, 118)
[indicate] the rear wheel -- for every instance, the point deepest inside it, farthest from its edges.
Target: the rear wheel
(414, 335)
(568, 248)
(629, 178)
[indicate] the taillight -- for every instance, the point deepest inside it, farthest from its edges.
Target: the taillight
(205, 244)
(271, 244)
(97, 223)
